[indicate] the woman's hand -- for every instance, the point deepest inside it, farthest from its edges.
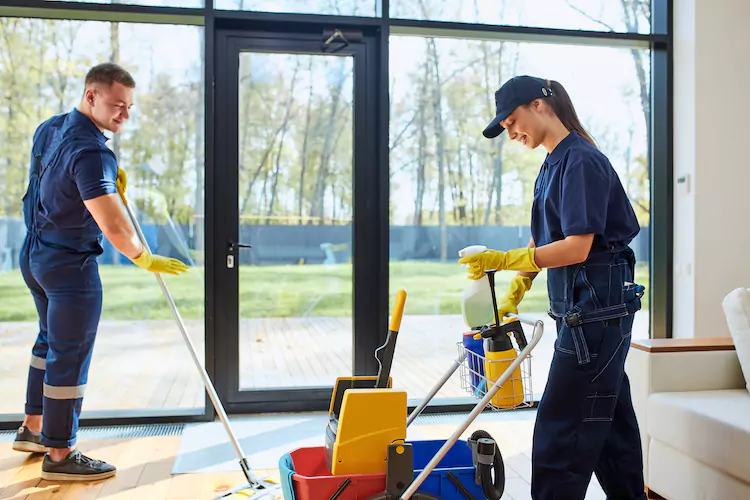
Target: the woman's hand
(519, 259)
(509, 302)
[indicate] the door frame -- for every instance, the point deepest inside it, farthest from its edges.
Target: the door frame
(370, 210)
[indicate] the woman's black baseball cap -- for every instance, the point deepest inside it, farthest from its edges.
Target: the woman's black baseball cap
(517, 91)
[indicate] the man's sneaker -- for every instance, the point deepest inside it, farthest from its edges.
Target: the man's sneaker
(28, 441)
(76, 467)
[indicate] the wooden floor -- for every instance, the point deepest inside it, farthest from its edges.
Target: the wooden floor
(144, 466)
(145, 365)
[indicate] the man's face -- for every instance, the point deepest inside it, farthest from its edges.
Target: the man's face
(110, 105)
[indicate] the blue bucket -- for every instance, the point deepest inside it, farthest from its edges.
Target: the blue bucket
(457, 461)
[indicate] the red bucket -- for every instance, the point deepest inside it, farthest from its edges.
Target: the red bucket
(313, 481)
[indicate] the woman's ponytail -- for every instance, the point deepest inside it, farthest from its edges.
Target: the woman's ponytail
(563, 108)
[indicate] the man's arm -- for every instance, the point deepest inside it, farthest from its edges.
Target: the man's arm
(108, 212)
(95, 172)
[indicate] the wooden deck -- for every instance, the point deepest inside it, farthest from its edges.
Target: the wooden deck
(144, 365)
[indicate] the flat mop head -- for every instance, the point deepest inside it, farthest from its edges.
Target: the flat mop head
(269, 489)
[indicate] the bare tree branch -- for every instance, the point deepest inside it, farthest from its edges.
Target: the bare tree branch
(588, 16)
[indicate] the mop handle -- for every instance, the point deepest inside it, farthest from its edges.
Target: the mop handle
(384, 354)
(204, 375)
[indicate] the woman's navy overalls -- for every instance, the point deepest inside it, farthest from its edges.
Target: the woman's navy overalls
(585, 422)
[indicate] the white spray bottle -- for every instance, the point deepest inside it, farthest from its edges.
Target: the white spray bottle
(476, 301)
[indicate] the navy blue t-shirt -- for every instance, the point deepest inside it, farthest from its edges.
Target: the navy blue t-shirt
(79, 167)
(578, 192)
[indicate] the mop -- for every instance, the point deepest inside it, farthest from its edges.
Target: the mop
(255, 487)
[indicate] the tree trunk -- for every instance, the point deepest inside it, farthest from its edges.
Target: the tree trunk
(499, 179)
(261, 165)
(305, 141)
(246, 102)
(490, 195)
(421, 151)
(471, 191)
(325, 157)
(461, 205)
(263, 194)
(440, 138)
(287, 115)
(497, 171)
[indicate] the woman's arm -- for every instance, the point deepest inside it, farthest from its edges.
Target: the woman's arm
(530, 275)
(571, 250)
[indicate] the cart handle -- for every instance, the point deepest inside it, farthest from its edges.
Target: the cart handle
(538, 332)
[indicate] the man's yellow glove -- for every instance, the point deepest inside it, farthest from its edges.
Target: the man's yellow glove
(159, 264)
(509, 303)
(519, 259)
(122, 181)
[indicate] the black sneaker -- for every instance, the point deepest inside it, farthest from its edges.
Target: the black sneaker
(76, 467)
(30, 442)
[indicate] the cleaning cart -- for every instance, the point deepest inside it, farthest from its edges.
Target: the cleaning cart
(364, 419)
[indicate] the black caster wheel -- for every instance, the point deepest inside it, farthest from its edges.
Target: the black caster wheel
(491, 477)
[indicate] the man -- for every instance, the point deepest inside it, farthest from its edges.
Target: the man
(72, 198)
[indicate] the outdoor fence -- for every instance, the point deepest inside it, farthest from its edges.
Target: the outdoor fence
(309, 244)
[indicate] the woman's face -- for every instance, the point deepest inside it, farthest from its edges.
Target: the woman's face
(526, 125)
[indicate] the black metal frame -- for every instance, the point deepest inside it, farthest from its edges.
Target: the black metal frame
(371, 183)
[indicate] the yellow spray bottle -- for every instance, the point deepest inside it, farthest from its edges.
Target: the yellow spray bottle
(500, 354)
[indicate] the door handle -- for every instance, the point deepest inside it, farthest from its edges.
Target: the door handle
(233, 249)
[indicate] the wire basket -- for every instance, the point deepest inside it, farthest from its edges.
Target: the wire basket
(478, 374)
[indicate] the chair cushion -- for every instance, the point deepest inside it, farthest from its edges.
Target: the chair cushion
(710, 426)
(737, 311)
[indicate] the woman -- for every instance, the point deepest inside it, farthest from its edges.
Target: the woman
(581, 226)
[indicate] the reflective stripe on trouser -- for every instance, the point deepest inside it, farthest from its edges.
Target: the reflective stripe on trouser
(585, 421)
(69, 302)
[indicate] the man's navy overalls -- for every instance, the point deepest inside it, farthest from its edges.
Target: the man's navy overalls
(585, 420)
(69, 163)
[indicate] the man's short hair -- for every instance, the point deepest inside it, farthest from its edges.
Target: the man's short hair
(109, 73)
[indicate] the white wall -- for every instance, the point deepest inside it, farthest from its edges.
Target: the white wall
(712, 147)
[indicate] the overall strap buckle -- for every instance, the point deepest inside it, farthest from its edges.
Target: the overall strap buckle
(577, 317)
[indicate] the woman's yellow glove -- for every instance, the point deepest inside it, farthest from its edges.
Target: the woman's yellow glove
(159, 264)
(509, 303)
(519, 259)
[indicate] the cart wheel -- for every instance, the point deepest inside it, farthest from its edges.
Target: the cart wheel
(416, 496)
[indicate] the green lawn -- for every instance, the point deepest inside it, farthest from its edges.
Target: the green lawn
(278, 291)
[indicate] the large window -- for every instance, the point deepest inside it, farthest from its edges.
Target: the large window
(331, 156)
(140, 362)
(451, 187)
(632, 16)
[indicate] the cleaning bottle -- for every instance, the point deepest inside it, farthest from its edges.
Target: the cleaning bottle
(475, 361)
(500, 354)
(476, 302)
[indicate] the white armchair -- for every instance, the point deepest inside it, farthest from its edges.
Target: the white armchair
(693, 411)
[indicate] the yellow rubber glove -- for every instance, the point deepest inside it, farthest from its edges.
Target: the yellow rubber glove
(509, 303)
(122, 181)
(159, 264)
(519, 259)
